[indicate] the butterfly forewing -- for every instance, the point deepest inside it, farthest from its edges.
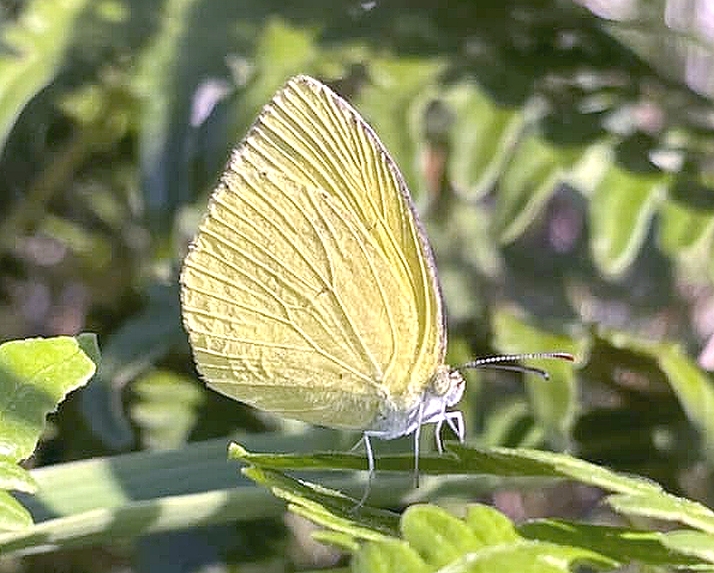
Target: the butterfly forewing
(309, 290)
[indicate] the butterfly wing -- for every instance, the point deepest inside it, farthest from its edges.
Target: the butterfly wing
(310, 290)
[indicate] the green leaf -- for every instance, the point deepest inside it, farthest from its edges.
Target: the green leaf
(14, 477)
(555, 401)
(437, 535)
(533, 463)
(388, 556)
(682, 227)
(165, 408)
(102, 500)
(621, 209)
(438, 540)
(482, 137)
(618, 543)
(528, 557)
(34, 49)
(327, 507)
(692, 386)
(530, 179)
(35, 376)
(490, 525)
(661, 505)
(142, 517)
(13, 516)
(634, 496)
(388, 103)
(693, 543)
(339, 539)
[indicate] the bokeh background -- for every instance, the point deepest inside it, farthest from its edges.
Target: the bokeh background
(561, 154)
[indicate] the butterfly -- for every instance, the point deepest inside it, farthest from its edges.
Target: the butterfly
(310, 289)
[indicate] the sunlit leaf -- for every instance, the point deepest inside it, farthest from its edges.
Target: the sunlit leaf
(34, 49)
(621, 210)
(35, 376)
(555, 401)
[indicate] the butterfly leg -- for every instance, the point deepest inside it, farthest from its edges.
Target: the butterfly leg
(456, 423)
(417, 434)
(437, 433)
(357, 445)
(370, 469)
(455, 420)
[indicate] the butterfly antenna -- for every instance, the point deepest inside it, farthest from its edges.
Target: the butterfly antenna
(500, 362)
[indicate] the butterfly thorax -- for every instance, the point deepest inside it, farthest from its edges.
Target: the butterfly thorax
(444, 390)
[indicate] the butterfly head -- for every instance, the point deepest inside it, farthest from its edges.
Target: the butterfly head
(447, 385)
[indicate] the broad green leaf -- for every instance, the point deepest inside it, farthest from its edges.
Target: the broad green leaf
(388, 556)
(83, 486)
(444, 542)
(528, 557)
(165, 408)
(142, 517)
(13, 516)
(682, 228)
(637, 496)
(34, 49)
(326, 507)
(618, 543)
(530, 179)
(14, 477)
(692, 386)
(460, 459)
(555, 400)
(438, 536)
(338, 539)
(102, 500)
(281, 51)
(89, 343)
(694, 543)
(35, 376)
(661, 505)
(490, 525)
(388, 103)
(621, 209)
(482, 137)
(523, 462)
(634, 496)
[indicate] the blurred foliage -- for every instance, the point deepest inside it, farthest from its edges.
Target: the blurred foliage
(562, 161)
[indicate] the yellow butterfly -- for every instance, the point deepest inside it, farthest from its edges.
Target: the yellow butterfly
(310, 289)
